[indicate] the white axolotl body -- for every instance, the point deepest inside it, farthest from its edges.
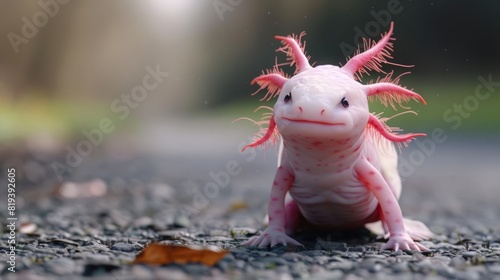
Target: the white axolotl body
(337, 161)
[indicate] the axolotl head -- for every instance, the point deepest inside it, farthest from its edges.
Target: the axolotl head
(327, 101)
(321, 102)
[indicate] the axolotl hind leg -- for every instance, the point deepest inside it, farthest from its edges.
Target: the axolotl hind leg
(389, 169)
(391, 213)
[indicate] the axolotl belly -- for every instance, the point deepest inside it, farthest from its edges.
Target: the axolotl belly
(337, 161)
(326, 190)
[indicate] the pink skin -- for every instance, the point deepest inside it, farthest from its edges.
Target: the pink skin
(337, 160)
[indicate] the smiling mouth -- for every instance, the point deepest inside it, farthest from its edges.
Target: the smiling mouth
(311, 122)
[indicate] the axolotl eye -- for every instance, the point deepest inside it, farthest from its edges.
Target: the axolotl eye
(344, 102)
(288, 97)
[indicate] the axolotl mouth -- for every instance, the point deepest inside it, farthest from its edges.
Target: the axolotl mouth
(311, 121)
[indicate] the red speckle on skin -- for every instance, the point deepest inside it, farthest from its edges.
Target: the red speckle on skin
(307, 169)
(281, 167)
(340, 165)
(389, 202)
(266, 234)
(278, 212)
(401, 234)
(397, 221)
(371, 172)
(297, 155)
(387, 213)
(336, 151)
(342, 156)
(357, 149)
(317, 143)
(286, 179)
(368, 159)
(275, 183)
(274, 198)
(378, 188)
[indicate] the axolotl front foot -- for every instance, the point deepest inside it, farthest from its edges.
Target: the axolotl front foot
(271, 237)
(403, 242)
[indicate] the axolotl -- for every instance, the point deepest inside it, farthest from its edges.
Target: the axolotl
(337, 161)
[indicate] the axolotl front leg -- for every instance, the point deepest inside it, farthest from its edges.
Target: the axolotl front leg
(391, 213)
(275, 234)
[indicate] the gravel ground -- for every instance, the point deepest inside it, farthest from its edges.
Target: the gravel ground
(96, 226)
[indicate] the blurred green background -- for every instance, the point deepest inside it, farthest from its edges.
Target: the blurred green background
(64, 63)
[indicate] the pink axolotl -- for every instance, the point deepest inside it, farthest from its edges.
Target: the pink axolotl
(336, 159)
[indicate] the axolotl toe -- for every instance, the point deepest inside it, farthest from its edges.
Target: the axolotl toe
(337, 161)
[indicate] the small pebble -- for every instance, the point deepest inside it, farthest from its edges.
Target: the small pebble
(61, 266)
(126, 247)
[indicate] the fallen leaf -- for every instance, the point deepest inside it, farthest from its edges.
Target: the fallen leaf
(237, 206)
(94, 188)
(160, 254)
(27, 227)
(64, 241)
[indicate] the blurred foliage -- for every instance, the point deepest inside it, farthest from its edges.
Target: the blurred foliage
(36, 116)
(89, 53)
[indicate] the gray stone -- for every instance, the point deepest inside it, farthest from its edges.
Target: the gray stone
(345, 265)
(168, 273)
(61, 266)
(181, 221)
(352, 276)
(332, 246)
(258, 264)
(144, 221)
(273, 261)
(443, 259)
(400, 267)
(126, 247)
(98, 258)
(141, 272)
(196, 269)
(469, 254)
(313, 253)
(371, 265)
(457, 262)
(328, 275)
(291, 256)
(494, 268)
(299, 269)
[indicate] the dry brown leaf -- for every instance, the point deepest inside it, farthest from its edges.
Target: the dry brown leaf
(237, 206)
(94, 188)
(27, 227)
(160, 254)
